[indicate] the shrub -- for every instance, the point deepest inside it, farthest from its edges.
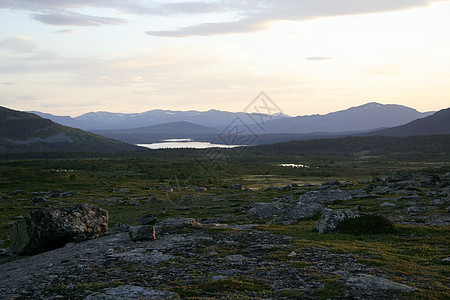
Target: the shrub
(366, 224)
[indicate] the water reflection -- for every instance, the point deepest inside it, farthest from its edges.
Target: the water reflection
(184, 143)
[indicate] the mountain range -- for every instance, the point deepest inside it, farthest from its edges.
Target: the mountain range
(369, 116)
(27, 132)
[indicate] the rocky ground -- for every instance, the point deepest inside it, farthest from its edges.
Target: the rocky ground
(243, 259)
(232, 262)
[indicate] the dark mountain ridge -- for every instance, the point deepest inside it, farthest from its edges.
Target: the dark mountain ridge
(27, 132)
(438, 123)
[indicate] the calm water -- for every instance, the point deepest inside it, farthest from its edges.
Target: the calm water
(184, 143)
(292, 165)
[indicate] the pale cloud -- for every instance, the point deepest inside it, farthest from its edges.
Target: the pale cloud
(319, 58)
(207, 29)
(66, 31)
(246, 16)
(18, 44)
(74, 19)
(255, 16)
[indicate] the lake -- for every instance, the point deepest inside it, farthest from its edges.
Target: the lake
(184, 143)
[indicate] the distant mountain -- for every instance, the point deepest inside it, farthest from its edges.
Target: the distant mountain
(361, 118)
(438, 123)
(27, 132)
(173, 130)
(366, 117)
(111, 121)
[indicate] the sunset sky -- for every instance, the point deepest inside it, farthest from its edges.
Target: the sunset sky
(310, 56)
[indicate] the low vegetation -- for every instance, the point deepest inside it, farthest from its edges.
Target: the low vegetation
(172, 183)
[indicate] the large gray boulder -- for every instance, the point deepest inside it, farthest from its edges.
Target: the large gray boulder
(286, 212)
(353, 222)
(304, 210)
(331, 219)
(50, 228)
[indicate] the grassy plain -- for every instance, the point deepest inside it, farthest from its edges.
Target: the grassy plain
(130, 187)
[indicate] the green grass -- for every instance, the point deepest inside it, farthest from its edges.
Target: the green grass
(411, 254)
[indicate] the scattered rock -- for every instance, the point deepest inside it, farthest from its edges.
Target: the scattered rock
(440, 201)
(40, 201)
(236, 186)
(416, 209)
(16, 192)
(396, 177)
(142, 233)
(148, 232)
(271, 188)
(325, 196)
(45, 229)
(267, 210)
(120, 227)
(177, 222)
(148, 219)
(381, 190)
(331, 182)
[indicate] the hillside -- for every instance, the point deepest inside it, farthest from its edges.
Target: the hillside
(437, 145)
(27, 132)
(172, 130)
(438, 123)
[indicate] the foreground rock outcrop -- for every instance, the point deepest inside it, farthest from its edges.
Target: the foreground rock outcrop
(354, 222)
(50, 228)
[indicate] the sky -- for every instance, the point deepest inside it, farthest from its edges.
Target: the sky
(309, 56)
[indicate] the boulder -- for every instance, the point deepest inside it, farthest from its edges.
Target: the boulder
(142, 233)
(50, 228)
(304, 210)
(330, 219)
(353, 222)
(236, 186)
(148, 219)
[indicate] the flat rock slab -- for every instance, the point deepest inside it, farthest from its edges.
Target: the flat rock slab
(153, 258)
(115, 267)
(132, 292)
(366, 281)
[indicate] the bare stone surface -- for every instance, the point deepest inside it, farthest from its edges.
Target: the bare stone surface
(49, 228)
